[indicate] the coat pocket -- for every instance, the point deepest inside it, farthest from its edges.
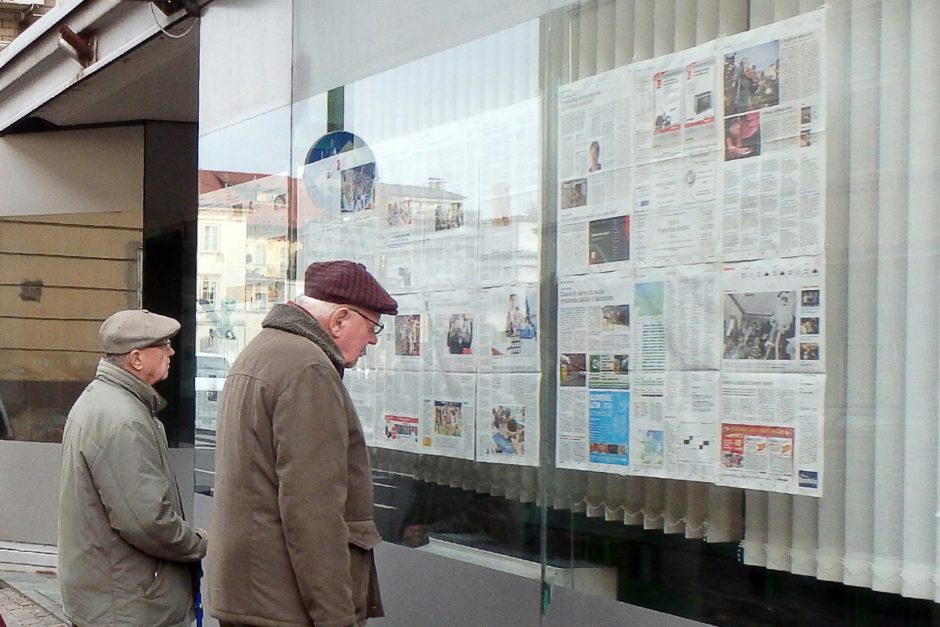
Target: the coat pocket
(363, 537)
(362, 533)
(155, 578)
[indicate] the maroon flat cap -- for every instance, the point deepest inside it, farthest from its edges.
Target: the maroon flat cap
(347, 282)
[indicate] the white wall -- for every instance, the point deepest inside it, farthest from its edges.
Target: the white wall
(245, 61)
(29, 489)
(72, 171)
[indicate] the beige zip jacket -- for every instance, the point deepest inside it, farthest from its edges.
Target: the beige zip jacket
(124, 545)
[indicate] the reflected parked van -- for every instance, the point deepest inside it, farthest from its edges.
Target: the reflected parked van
(211, 370)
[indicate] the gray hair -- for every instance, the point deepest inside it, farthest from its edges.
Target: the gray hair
(117, 359)
(315, 307)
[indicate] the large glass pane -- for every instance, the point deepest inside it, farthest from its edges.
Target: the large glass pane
(244, 257)
(423, 163)
(762, 230)
(666, 333)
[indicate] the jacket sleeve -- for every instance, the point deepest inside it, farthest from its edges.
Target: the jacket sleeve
(136, 494)
(311, 438)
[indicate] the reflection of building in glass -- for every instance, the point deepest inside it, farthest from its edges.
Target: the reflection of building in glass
(243, 256)
(432, 207)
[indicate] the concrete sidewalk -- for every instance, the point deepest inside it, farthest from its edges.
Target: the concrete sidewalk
(31, 600)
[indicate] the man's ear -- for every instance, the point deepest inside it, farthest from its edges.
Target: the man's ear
(134, 360)
(337, 316)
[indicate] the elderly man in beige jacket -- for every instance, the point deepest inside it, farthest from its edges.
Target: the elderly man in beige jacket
(125, 548)
(292, 520)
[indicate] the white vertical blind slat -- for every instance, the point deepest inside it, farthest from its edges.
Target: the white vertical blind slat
(707, 14)
(574, 46)
(920, 416)
(606, 31)
(779, 531)
(654, 503)
(597, 488)
(696, 509)
(733, 16)
(785, 8)
(633, 501)
(643, 30)
(674, 509)
(616, 487)
(887, 461)
(831, 512)
(761, 13)
(623, 31)
(862, 285)
(755, 532)
(804, 527)
(685, 24)
(587, 39)
(725, 514)
(664, 28)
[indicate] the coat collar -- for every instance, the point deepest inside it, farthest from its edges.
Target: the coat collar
(118, 377)
(291, 318)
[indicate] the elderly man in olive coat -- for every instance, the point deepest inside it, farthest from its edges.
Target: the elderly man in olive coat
(292, 520)
(125, 548)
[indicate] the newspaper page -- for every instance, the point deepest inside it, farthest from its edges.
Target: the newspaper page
(771, 432)
(448, 197)
(593, 430)
(449, 418)
(507, 428)
(773, 316)
(400, 261)
(455, 345)
(400, 407)
(510, 195)
(426, 207)
(404, 344)
(594, 330)
(676, 318)
(673, 430)
(675, 191)
(594, 173)
(509, 329)
(674, 215)
(773, 106)
(594, 370)
(344, 237)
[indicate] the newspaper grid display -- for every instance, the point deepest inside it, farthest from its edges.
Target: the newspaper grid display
(711, 236)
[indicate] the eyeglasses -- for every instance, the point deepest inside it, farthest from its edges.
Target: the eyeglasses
(162, 344)
(376, 325)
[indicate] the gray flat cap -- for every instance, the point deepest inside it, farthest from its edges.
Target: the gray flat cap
(126, 330)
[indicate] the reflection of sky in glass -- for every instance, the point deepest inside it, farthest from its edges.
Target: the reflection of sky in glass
(423, 119)
(262, 144)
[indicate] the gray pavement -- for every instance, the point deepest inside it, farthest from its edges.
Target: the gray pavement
(31, 599)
